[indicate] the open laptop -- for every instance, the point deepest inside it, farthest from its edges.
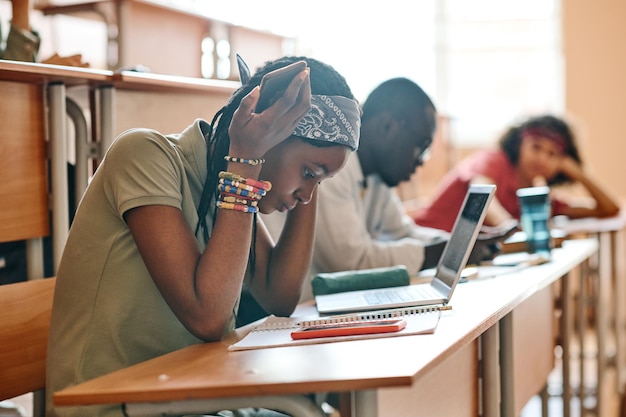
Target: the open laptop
(447, 275)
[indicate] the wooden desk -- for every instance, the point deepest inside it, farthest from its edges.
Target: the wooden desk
(29, 90)
(199, 373)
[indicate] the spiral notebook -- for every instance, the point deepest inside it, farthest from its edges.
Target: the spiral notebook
(276, 331)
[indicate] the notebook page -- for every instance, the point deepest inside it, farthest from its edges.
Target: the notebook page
(276, 331)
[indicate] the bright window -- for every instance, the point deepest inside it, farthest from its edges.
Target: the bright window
(485, 63)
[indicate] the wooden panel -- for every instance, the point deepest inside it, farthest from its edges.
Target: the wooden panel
(450, 389)
(533, 342)
(26, 311)
(165, 112)
(166, 41)
(166, 103)
(255, 47)
(23, 193)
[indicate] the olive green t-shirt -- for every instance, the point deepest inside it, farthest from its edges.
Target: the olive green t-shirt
(108, 313)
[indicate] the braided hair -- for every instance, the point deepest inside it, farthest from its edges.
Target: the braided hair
(325, 80)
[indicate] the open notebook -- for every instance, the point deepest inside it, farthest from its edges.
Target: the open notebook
(276, 331)
(447, 275)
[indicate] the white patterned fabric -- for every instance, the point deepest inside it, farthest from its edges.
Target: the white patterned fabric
(333, 119)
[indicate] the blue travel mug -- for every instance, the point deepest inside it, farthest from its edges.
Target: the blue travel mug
(536, 210)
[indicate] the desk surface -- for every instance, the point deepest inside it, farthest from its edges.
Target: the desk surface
(36, 73)
(591, 224)
(132, 80)
(207, 371)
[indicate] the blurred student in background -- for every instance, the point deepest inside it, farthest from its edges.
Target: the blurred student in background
(540, 151)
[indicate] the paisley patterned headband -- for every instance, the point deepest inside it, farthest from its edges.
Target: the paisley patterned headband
(334, 119)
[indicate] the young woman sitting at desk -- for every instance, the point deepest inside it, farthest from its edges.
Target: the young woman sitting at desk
(540, 151)
(166, 235)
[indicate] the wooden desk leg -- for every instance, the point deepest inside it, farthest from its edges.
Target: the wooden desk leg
(34, 258)
(365, 404)
(107, 118)
(58, 163)
(582, 329)
(565, 325)
(83, 147)
(545, 399)
(618, 299)
(506, 366)
(490, 354)
(602, 305)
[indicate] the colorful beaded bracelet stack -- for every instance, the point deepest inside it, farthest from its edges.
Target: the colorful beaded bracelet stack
(244, 160)
(240, 193)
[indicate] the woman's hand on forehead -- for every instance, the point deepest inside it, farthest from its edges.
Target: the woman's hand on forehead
(252, 134)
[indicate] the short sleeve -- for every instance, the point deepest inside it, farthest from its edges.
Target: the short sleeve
(142, 168)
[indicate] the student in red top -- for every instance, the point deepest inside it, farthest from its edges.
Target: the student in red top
(540, 151)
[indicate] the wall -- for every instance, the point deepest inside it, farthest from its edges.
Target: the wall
(594, 37)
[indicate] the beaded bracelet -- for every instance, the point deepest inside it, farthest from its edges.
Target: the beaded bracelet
(237, 207)
(244, 160)
(239, 196)
(228, 198)
(265, 185)
(241, 186)
(234, 190)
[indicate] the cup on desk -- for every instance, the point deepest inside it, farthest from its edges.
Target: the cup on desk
(535, 210)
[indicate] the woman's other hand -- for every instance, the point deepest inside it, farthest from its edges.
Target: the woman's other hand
(571, 168)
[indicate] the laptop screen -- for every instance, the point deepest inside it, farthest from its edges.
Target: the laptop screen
(463, 234)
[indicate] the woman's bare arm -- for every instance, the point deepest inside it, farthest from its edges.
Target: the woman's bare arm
(282, 269)
(605, 206)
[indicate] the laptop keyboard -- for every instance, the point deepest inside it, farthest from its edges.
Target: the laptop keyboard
(397, 295)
